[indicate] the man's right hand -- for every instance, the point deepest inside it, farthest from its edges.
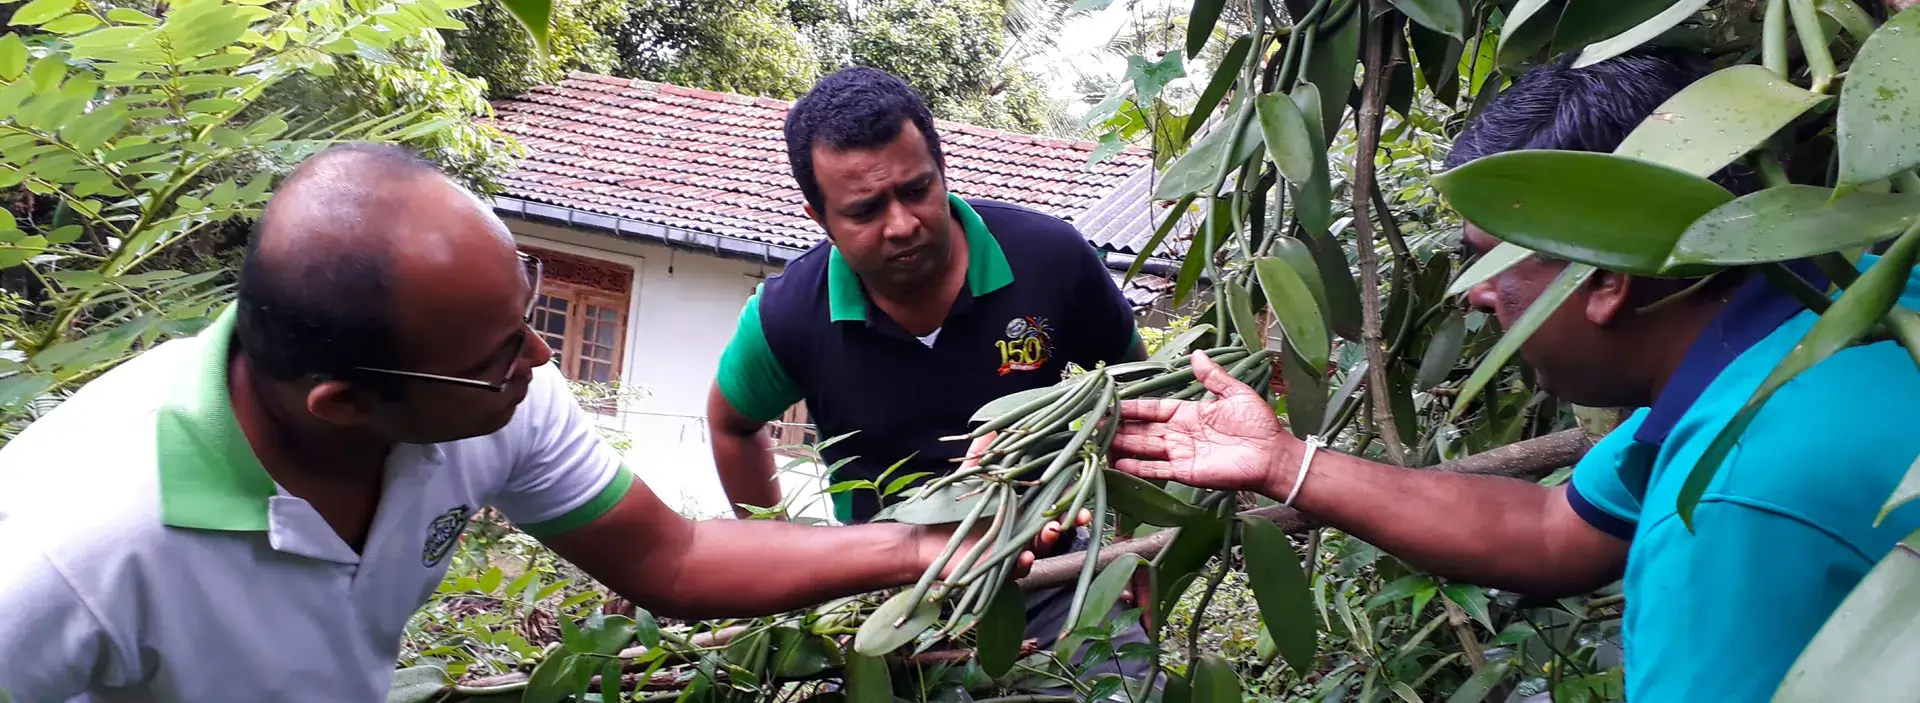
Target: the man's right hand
(1232, 443)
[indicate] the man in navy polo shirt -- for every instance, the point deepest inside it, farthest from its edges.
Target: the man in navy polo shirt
(1781, 535)
(920, 308)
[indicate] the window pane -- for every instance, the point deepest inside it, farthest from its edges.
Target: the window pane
(550, 321)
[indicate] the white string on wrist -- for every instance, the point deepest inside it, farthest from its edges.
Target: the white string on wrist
(1314, 443)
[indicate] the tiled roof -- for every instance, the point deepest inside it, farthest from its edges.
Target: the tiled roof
(710, 162)
(1127, 217)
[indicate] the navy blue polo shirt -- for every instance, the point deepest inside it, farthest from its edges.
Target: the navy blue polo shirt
(1037, 297)
(1786, 528)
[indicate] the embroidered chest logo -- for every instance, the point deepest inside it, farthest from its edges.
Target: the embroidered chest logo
(442, 533)
(1027, 346)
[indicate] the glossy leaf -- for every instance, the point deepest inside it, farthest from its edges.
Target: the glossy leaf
(1640, 34)
(1405, 692)
(1583, 22)
(1849, 16)
(40, 11)
(1517, 17)
(1214, 680)
(1439, 58)
(1289, 142)
(1195, 170)
(1880, 103)
(1240, 308)
(536, 16)
(1181, 344)
(72, 24)
(1001, 405)
(1717, 119)
(1168, 222)
(1472, 599)
(1306, 394)
(798, 653)
(1864, 652)
(1550, 300)
(1330, 68)
(1850, 318)
(878, 635)
(1443, 16)
(414, 684)
(1280, 587)
(1223, 79)
(1143, 501)
(1101, 595)
(1296, 310)
(868, 680)
(613, 635)
(1503, 256)
(1298, 255)
(1343, 292)
(1908, 490)
(1206, 14)
(1313, 197)
(13, 56)
(1568, 204)
(945, 506)
(1181, 559)
(551, 680)
(1443, 351)
(1791, 222)
(1001, 630)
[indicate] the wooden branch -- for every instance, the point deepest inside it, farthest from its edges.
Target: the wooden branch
(1373, 85)
(1532, 459)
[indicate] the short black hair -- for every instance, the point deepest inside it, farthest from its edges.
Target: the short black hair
(313, 309)
(1557, 106)
(854, 108)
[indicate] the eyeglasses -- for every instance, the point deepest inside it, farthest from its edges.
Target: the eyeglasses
(535, 271)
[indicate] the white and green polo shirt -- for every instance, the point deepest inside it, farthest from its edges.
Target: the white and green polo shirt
(145, 555)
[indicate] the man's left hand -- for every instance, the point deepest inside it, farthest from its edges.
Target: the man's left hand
(933, 539)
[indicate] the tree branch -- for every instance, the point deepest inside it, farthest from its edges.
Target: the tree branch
(1531, 459)
(1372, 95)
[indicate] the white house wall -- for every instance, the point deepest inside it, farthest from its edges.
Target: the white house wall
(683, 310)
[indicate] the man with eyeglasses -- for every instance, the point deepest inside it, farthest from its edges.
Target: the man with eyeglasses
(255, 512)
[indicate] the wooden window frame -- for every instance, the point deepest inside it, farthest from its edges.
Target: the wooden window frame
(582, 282)
(793, 428)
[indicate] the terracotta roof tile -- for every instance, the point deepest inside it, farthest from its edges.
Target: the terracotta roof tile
(717, 163)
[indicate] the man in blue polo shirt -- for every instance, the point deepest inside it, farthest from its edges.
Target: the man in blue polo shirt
(920, 307)
(1783, 533)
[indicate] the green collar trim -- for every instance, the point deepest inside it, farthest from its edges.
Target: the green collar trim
(209, 476)
(987, 268)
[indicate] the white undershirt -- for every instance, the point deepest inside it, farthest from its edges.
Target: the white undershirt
(928, 340)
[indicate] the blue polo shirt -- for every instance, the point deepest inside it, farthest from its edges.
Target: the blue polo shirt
(1784, 531)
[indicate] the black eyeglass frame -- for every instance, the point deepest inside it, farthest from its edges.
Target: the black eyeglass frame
(536, 271)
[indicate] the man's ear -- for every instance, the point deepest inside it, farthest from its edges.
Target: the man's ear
(815, 216)
(339, 403)
(1608, 298)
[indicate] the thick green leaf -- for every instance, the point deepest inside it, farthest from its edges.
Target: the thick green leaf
(1568, 204)
(1443, 351)
(613, 634)
(417, 684)
(1849, 16)
(1330, 68)
(1439, 59)
(40, 11)
(1280, 587)
(1789, 222)
(1503, 256)
(552, 680)
(1555, 294)
(1214, 233)
(1240, 308)
(1718, 119)
(1101, 595)
(1517, 17)
(999, 406)
(1300, 257)
(1306, 393)
(1295, 308)
(1908, 490)
(1214, 680)
(1343, 292)
(1864, 652)
(1223, 78)
(1178, 347)
(1880, 103)
(1143, 501)
(1206, 14)
(1182, 559)
(72, 24)
(945, 506)
(13, 56)
(536, 16)
(1195, 170)
(878, 635)
(1405, 692)
(1313, 197)
(1843, 324)
(1001, 630)
(1585, 21)
(1288, 140)
(1640, 34)
(868, 680)
(1443, 16)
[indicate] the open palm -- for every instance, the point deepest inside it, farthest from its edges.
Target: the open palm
(1230, 443)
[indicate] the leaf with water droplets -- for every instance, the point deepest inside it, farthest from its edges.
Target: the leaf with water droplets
(1718, 119)
(1880, 104)
(1791, 222)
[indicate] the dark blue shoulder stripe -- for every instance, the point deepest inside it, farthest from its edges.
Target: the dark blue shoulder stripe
(1600, 519)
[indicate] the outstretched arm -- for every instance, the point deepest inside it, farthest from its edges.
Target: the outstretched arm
(1488, 530)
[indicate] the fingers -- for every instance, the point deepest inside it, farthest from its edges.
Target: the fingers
(1144, 468)
(1150, 409)
(1216, 378)
(977, 448)
(1143, 441)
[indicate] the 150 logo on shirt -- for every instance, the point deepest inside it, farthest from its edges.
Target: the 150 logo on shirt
(1027, 345)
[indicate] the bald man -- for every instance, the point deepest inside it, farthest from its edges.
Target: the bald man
(253, 513)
